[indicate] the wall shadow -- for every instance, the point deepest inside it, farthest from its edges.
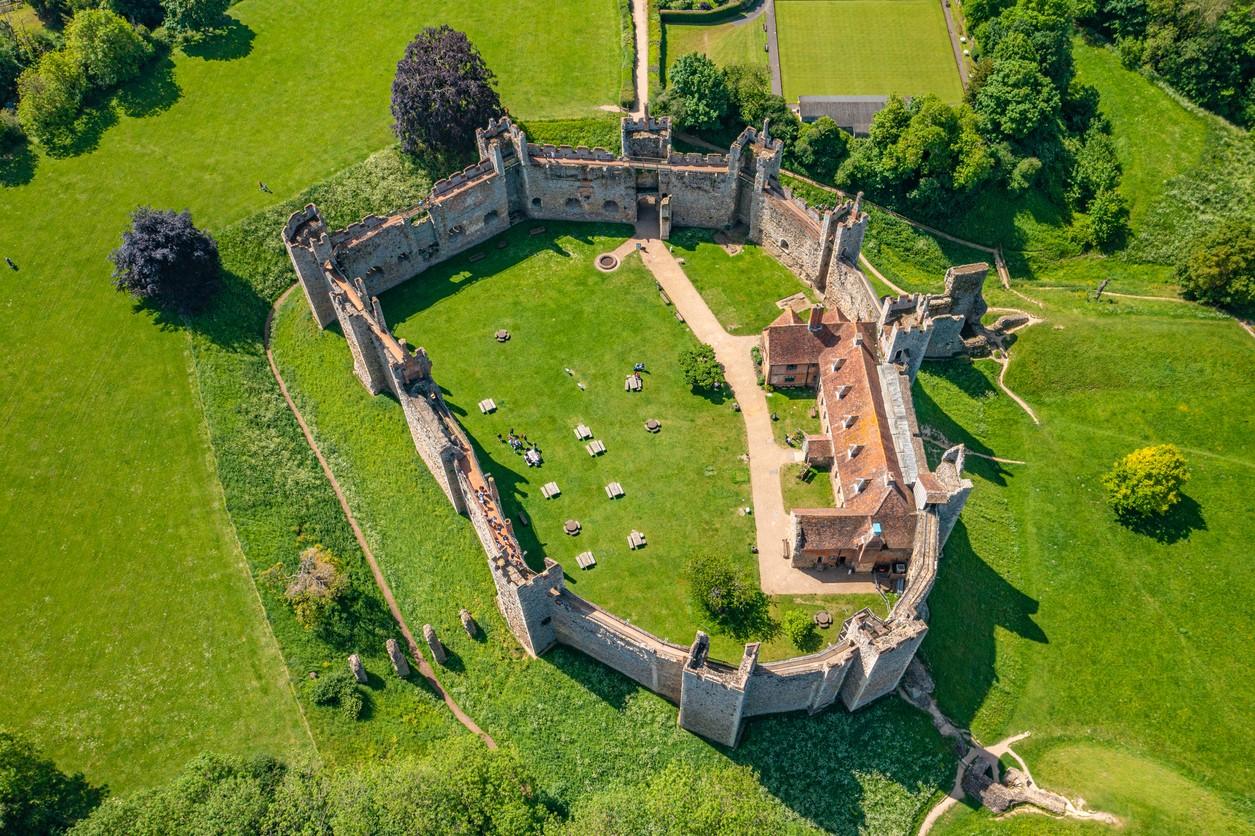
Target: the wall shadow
(929, 413)
(968, 604)
(228, 42)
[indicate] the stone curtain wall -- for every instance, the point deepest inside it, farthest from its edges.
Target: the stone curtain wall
(713, 191)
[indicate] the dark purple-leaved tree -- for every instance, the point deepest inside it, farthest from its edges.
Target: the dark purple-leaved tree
(167, 261)
(443, 91)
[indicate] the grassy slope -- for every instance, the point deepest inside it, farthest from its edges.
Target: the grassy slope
(736, 42)
(1050, 616)
(153, 647)
(887, 46)
(578, 723)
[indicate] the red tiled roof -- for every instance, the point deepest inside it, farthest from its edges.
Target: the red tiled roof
(788, 340)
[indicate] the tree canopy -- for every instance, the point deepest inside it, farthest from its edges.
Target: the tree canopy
(1219, 267)
(730, 597)
(167, 261)
(49, 96)
(700, 367)
(697, 94)
(443, 91)
(36, 796)
(1146, 482)
(188, 16)
(106, 46)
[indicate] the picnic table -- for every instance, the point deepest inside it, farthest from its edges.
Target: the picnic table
(653, 425)
(614, 490)
(632, 383)
(571, 527)
(586, 560)
(487, 405)
(549, 490)
(636, 540)
(595, 449)
(582, 432)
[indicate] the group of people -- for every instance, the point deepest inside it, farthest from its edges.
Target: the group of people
(506, 543)
(519, 443)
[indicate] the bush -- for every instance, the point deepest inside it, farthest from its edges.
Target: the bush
(50, 94)
(730, 597)
(108, 48)
(697, 95)
(167, 261)
(800, 628)
(11, 134)
(1109, 219)
(339, 689)
(442, 92)
(1147, 482)
(1219, 266)
(316, 586)
(700, 367)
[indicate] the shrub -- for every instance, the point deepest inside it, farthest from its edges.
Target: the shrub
(730, 597)
(1147, 482)
(187, 16)
(11, 134)
(800, 628)
(49, 96)
(108, 48)
(167, 261)
(700, 367)
(1219, 266)
(1109, 219)
(697, 96)
(442, 92)
(339, 689)
(316, 586)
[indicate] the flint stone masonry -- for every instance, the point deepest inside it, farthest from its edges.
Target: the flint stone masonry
(341, 272)
(357, 669)
(434, 645)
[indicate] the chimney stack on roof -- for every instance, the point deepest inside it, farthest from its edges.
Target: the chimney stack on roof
(816, 319)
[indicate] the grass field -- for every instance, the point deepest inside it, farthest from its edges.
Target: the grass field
(742, 290)
(1087, 630)
(581, 726)
(739, 41)
(865, 47)
(151, 646)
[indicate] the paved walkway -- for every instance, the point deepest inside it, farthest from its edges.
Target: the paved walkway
(640, 26)
(424, 669)
(767, 458)
(954, 43)
(773, 50)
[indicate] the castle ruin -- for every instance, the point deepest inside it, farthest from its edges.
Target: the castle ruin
(341, 273)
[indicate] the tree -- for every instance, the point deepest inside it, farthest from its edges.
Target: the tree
(1219, 266)
(108, 48)
(1016, 100)
(800, 628)
(730, 597)
(49, 96)
(148, 13)
(36, 796)
(821, 146)
(1109, 219)
(697, 95)
(749, 86)
(1147, 482)
(315, 587)
(442, 92)
(339, 689)
(11, 61)
(189, 16)
(167, 261)
(700, 367)
(1095, 168)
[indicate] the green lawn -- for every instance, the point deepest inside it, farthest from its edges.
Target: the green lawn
(149, 643)
(741, 289)
(794, 407)
(865, 47)
(737, 42)
(806, 488)
(1076, 627)
(579, 725)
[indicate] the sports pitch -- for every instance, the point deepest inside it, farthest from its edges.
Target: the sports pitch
(865, 47)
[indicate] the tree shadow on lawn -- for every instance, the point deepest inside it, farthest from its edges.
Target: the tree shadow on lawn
(1177, 525)
(17, 166)
(458, 273)
(967, 607)
(228, 42)
(153, 92)
(84, 137)
(234, 320)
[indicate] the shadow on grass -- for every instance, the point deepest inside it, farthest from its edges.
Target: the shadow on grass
(233, 321)
(457, 274)
(970, 604)
(84, 137)
(153, 92)
(17, 165)
(228, 42)
(964, 375)
(1173, 527)
(606, 684)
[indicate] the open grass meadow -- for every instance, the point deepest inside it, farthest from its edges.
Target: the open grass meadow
(739, 41)
(1112, 645)
(581, 726)
(865, 48)
(134, 632)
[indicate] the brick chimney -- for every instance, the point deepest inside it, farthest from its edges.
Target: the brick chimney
(816, 319)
